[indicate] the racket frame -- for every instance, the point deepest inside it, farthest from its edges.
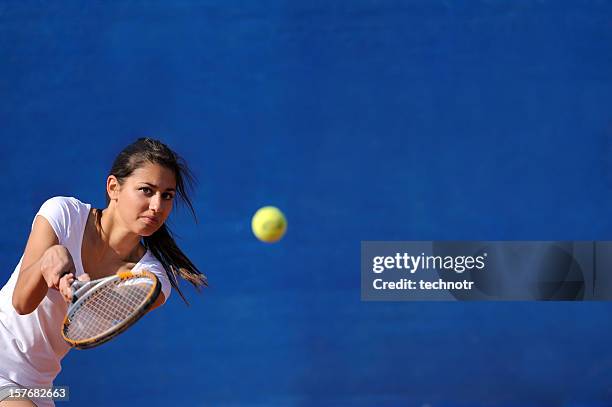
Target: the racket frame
(80, 294)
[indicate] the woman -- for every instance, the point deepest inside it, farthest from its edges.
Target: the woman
(69, 240)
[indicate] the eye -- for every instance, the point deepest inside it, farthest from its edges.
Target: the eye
(146, 190)
(168, 196)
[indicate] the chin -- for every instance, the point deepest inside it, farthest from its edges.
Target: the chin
(147, 232)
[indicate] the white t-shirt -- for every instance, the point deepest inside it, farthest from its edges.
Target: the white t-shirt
(31, 346)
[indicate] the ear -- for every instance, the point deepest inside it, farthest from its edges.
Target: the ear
(112, 187)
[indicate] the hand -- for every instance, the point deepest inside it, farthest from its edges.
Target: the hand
(65, 285)
(55, 262)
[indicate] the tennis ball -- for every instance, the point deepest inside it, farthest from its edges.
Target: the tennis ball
(269, 224)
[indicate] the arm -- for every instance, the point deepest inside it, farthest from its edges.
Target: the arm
(44, 262)
(159, 301)
(65, 289)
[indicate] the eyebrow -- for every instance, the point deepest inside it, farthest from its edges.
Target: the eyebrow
(156, 187)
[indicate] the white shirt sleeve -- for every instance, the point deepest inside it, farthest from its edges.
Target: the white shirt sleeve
(56, 211)
(155, 267)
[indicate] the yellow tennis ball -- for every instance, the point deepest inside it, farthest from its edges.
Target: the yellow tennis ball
(269, 224)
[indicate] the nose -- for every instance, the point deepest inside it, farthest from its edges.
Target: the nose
(155, 203)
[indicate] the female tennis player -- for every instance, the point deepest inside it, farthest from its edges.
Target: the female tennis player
(71, 240)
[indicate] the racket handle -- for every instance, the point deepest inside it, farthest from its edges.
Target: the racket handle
(76, 289)
(77, 284)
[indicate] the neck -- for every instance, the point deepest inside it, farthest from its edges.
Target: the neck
(114, 239)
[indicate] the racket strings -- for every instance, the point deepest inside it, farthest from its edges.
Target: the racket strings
(107, 307)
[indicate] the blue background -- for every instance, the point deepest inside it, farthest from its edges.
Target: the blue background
(362, 120)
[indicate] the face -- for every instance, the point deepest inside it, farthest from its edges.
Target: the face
(145, 199)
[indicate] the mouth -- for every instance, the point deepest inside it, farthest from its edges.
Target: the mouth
(151, 220)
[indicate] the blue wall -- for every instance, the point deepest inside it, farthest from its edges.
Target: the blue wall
(362, 120)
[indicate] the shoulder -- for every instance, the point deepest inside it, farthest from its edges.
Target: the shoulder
(63, 213)
(64, 203)
(151, 263)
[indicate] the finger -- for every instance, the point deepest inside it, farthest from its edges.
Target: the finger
(66, 272)
(67, 294)
(63, 286)
(60, 274)
(84, 277)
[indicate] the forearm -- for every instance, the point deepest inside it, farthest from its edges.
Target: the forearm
(158, 302)
(30, 289)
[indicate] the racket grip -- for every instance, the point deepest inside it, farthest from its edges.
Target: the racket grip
(75, 287)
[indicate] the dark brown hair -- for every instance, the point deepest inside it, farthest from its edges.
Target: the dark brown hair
(161, 243)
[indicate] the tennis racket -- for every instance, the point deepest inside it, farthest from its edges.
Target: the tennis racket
(103, 308)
